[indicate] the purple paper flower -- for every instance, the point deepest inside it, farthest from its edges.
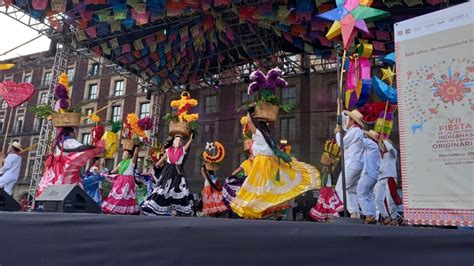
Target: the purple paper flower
(281, 83)
(273, 74)
(258, 77)
(253, 87)
(145, 123)
(61, 92)
(63, 104)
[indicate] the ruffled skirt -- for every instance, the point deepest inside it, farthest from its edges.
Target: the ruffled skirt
(212, 201)
(261, 192)
(122, 198)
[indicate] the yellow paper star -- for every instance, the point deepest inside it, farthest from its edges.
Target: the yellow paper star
(388, 75)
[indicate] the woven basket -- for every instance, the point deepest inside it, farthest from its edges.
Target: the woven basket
(267, 112)
(247, 145)
(212, 166)
(127, 144)
(179, 128)
(66, 119)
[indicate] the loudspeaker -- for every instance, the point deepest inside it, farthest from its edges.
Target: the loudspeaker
(8, 203)
(66, 198)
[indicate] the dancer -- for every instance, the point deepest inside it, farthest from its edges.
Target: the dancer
(271, 182)
(353, 160)
(233, 183)
(122, 197)
(387, 180)
(69, 157)
(211, 194)
(171, 194)
(11, 168)
(368, 179)
(144, 184)
(93, 180)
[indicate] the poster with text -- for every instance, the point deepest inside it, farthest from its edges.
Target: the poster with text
(435, 80)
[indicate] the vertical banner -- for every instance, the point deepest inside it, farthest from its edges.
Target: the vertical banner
(435, 80)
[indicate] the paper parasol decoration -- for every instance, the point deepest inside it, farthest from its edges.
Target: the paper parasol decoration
(350, 14)
(389, 59)
(384, 91)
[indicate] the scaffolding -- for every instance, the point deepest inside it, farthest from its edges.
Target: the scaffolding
(47, 130)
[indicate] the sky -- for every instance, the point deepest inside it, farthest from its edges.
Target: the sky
(13, 33)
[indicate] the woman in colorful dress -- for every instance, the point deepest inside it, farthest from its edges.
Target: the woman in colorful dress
(211, 194)
(93, 179)
(271, 182)
(122, 198)
(235, 181)
(171, 195)
(63, 166)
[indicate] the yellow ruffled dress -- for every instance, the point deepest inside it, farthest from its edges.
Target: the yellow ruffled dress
(261, 191)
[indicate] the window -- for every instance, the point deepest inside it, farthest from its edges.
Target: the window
(4, 104)
(288, 128)
(86, 138)
(118, 88)
(144, 110)
(209, 132)
(95, 69)
(211, 104)
(92, 92)
(8, 77)
(48, 76)
(43, 98)
(332, 92)
(38, 123)
(19, 124)
(27, 78)
(2, 121)
(288, 95)
(70, 74)
(245, 97)
(31, 164)
(116, 113)
(89, 112)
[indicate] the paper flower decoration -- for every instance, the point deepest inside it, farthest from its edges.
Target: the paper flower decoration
(246, 134)
(271, 81)
(348, 15)
(184, 105)
(95, 118)
(132, 123)
(145, 123)
(216, 155)
(210, 147)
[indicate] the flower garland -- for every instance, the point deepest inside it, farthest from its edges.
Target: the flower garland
(214, 152)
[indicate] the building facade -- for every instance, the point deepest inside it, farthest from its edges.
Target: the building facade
(306, 127)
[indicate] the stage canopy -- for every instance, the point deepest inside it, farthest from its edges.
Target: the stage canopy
(177, 42)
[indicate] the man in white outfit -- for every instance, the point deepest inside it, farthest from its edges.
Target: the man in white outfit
(388, 173)
(369, 177)
(353, 160)
(11, 169)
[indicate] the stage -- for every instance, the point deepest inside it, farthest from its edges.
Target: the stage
(85, 239)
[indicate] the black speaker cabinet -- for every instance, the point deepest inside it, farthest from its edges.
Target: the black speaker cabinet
(66, 198)
(8, 203)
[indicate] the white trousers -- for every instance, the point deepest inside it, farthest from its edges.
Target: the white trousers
(365, 193)
(382, 192)
(352, 177)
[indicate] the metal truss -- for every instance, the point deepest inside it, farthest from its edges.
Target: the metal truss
(47, 130)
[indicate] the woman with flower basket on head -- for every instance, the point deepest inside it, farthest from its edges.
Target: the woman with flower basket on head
(275, 177)
(212, 191)
(171, 195)
(68, 155)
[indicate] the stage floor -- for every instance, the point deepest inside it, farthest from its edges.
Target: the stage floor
(88, 239)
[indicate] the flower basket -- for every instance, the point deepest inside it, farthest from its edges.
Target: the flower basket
(179, 128)
(66, 119)
(247, 145)
(267, 112)
(212, 166)
(127, 144)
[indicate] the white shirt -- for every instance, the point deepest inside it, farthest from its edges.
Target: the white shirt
(372, 158)
(68, 144)
(353, 148)
(10, 172)
(260, 146)
(388, 167)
